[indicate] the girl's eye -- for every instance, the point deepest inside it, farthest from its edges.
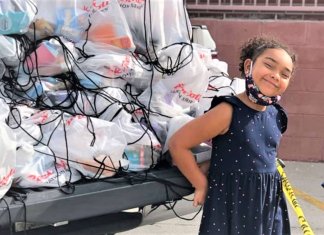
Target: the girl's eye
(285, 76)
(268, 65)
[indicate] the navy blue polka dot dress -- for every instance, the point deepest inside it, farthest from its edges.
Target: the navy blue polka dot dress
(245, 195)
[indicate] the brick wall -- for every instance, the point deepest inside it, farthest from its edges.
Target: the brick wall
(304, 99)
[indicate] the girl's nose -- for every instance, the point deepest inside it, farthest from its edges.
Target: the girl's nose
(275, 76)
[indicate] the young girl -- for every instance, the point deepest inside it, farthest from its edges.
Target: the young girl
(243, 193)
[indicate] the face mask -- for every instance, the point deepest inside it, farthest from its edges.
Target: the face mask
(255, 94)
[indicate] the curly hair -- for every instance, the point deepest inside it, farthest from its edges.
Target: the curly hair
(254, 47)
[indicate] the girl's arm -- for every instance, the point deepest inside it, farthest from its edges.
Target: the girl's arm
(203, 128)
(204, 166)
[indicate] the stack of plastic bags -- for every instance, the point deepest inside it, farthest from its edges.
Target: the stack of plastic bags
(90, 87)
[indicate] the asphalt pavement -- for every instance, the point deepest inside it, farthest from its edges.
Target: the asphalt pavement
(306, 179)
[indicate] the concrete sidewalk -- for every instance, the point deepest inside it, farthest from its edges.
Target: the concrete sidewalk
(306, 179)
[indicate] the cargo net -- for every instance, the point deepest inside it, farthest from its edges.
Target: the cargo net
(94, 90)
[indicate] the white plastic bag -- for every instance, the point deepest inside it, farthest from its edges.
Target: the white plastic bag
(22, 124)
(51, 58)
(109, 26)
(176, 93)
(64, 18)
(143, 150)
(238, 85)
(156, 24)
(8, 46)
(97, 21)
(175, 124)
(217, 66)
(16, 16)
(10, 51)
(92, 146)
(37, 167)
(4, 110)
(204, 53)
(27, 88)
(219, 85)
(7, 158)
(112, 63)
(201, 152)
(104, 104)
(2, 68)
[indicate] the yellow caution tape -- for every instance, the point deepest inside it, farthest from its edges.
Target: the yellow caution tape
(289, 193)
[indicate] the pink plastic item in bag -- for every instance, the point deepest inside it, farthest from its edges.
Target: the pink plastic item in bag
(45, 56)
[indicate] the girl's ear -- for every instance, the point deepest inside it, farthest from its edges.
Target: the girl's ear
(247, 66)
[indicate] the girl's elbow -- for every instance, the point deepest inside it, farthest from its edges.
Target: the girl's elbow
(172, 144)
(173, 147)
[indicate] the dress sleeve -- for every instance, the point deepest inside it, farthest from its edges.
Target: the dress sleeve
(219, 99)
(282, 116)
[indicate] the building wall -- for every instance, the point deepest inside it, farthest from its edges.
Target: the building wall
(304, 98)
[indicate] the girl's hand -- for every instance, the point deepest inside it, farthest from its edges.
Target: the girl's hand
(200, 194)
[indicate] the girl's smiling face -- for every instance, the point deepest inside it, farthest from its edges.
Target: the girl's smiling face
(271, 71)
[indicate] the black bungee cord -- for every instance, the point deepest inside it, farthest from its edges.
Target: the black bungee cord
(172, 67)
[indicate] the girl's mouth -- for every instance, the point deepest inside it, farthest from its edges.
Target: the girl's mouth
(272, 83)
